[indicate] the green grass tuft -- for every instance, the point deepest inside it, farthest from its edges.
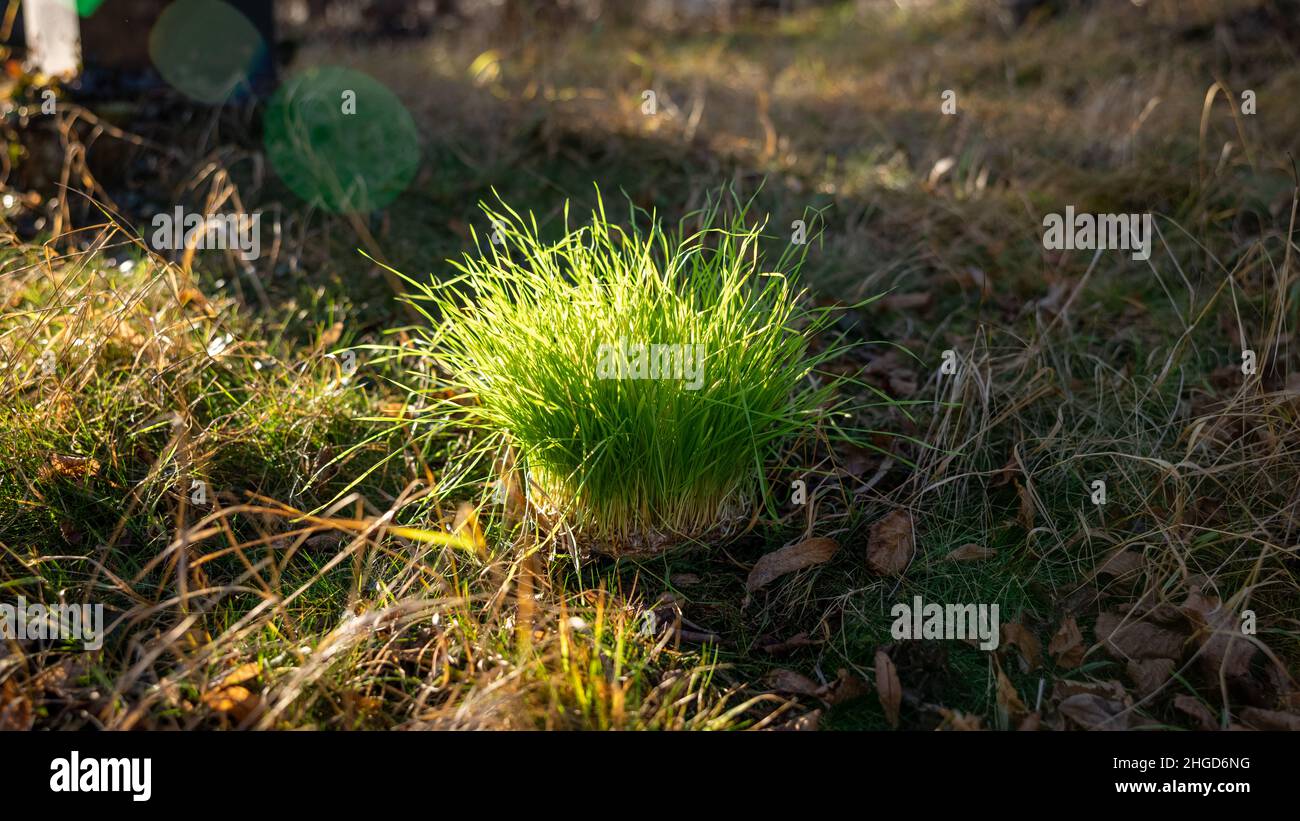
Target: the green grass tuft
(636, 449)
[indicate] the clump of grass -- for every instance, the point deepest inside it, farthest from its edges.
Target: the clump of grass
(668, 447)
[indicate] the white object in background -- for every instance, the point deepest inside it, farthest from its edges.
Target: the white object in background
(53, 36)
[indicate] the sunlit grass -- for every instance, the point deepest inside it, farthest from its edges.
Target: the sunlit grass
(670, 447)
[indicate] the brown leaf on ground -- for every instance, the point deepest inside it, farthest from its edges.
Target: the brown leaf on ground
(330, 337)
(236, 700)
(971, 553)
(789, 559)
(792, 683)
(1009, 699)
(1192, 706)
(1120, 564)
(78, 468)
(60, 680)
(16, 711)
(959, 721)
(1133, 639)
(845, 687)
(1270, 719)
(888, 687)
(808, 722)
(1163, 614)
(194, 297)
(890, 544)
(1110, 690)
(1092, 712)
(1030, 723)
(1015, 634)
(1223, 647)
(1067, 645)
(684, 579)
(795, 642)
(1081, 599)
(1150, 674)
(244, 672)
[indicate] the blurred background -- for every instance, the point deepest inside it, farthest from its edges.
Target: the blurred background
(953, 119)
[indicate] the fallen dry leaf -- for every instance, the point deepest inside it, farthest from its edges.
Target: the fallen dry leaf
(193, 296)
(798, 640)
(790, 682)
(1081, 599)
(1093, 712)
(889, 545)
(16, 711)
(845, 687)
(1030, 723)
(1009, 699)
(1119, 564)
(888, 687)
(244, 672)
(808, 722)
(237, 700)
(330, 337)
(789, 559)
(1067, 645)
(1270, 719)
(1015, 634)
(1132, 639)
(971, 553)
(60, 680)
(1192, 706)
(1150, 674)
(1223, 647)
(69, 467)
(959, 721)
(1110, 690)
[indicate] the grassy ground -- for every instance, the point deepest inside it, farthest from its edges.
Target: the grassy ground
(127, 378)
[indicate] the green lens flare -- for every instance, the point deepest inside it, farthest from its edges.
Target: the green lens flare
(206, 49)
(341, 140)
